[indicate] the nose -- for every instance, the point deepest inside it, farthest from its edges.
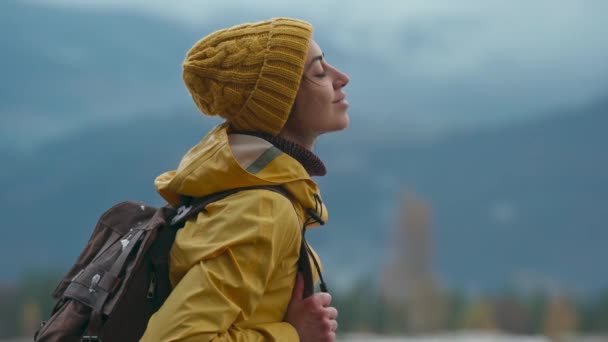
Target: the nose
(341, 79)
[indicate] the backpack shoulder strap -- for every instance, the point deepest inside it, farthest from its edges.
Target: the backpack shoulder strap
(193, 206)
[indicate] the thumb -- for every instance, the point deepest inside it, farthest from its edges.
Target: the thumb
(298, 289)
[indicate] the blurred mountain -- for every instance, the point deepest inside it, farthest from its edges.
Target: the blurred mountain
(522, 204)
(525, 203)
(48, 50)
(67, 68)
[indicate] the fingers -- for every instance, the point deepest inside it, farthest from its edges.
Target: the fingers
(330, 325)
(298, 289)
(333, 326)
(312, 317)
(332, 313)
(323, 298)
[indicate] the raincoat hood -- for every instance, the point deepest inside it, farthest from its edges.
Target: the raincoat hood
(223, 161)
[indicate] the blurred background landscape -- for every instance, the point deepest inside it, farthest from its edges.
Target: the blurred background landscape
(469, 194)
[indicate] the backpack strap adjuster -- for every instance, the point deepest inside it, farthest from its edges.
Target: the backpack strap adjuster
(182, 211)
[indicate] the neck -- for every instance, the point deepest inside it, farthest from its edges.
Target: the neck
(306, 142)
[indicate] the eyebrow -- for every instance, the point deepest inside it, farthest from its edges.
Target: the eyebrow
(316, 58)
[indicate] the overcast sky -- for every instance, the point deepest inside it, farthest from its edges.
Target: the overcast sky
(458, 62)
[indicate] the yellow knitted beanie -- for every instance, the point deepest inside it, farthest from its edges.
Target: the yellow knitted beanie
(249, 74)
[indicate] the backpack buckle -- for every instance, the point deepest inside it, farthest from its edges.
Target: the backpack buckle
(182, 211)
(90, 339)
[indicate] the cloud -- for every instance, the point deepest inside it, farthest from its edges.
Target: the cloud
(473, 33)
(435, 63)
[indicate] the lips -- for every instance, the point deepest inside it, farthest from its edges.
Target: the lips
(340, 98)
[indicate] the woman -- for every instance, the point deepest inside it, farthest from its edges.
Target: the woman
(234, 266)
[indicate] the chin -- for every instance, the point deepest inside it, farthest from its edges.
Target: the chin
(344, 122)
(339, 124)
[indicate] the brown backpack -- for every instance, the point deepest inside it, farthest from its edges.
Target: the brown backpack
(122, 276)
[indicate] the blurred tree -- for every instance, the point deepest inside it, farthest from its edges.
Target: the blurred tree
(362, 308)
(594, 314)
(512, 315)
(561, 318)
(479, 315)
(9, 304)
(37, 285)
(600, 321)
(30, 317)
(408, 280)
(24, 306)
(537, 305)
(456, 302)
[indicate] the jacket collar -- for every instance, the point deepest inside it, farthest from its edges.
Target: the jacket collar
(310, 161)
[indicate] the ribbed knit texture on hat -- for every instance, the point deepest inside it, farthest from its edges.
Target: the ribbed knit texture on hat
(249, 74)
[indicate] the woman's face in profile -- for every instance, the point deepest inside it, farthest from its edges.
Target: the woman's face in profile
(320, 105)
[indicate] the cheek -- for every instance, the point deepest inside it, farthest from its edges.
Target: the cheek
(307, 102)
(320, 97)
(313, 102)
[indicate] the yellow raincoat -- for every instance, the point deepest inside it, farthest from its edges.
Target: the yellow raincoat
(233, 267)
